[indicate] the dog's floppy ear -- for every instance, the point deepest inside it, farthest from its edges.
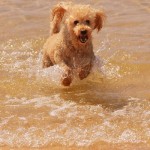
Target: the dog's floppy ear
(57, 14)
(58, 11)
(99, 19)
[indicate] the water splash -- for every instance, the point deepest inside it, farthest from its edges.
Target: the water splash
(23, 60)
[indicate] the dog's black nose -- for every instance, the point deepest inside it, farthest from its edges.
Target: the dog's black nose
(83, 32)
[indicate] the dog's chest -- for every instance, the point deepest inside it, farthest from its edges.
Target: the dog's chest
(78, 60)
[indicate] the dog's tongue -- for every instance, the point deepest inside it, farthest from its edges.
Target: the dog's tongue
(83, 38)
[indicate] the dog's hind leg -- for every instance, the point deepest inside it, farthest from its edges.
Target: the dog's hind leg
(46, 61)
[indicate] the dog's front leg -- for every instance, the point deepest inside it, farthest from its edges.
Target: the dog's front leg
(84, 71)
(66, 78)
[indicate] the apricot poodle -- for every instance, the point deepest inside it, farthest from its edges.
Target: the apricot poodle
(70, 42)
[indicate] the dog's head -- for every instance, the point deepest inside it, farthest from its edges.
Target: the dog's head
(79, 20)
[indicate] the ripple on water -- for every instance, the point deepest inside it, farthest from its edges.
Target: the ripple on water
(51, 120)
(42, 121)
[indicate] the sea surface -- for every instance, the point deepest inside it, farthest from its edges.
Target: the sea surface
(110, 110)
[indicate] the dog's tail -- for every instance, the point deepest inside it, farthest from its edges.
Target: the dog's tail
(57, 15)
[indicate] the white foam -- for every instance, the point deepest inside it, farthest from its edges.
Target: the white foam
(129, 136)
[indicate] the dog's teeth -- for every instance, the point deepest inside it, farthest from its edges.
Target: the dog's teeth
(83, 39)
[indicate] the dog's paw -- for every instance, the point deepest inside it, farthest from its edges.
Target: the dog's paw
(66, 81)
(67, 77)
(83, 74)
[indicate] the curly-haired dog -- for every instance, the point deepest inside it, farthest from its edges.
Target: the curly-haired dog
(70, 42)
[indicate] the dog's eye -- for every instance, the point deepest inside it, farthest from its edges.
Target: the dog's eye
(87, 22)
(76, 22)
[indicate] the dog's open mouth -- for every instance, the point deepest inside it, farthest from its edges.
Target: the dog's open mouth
(83, 38)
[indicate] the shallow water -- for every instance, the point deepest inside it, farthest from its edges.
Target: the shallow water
(108, 110)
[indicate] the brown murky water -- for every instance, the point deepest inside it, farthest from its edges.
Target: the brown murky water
(103, 112)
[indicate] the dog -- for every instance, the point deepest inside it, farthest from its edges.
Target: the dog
(70, 42)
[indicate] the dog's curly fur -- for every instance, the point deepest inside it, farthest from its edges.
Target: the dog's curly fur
(70, 42)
